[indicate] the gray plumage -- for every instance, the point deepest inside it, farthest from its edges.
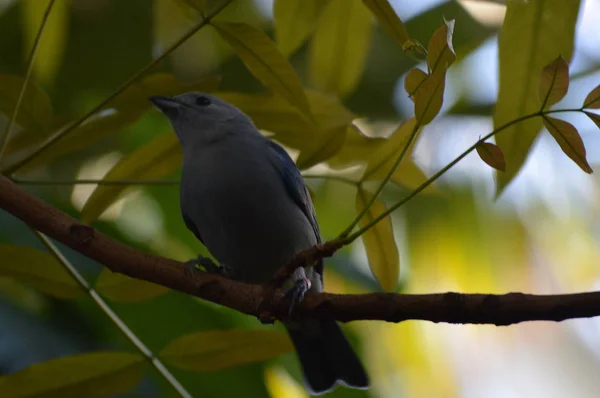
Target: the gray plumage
(244, 198)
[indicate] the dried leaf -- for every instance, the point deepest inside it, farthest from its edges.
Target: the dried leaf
(554, 82)
(440, 52)
(594, 117)
(492, 155)
(413, 80)
(569, 140)
(592, 101)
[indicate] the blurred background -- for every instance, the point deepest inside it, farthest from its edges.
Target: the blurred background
(540, 236)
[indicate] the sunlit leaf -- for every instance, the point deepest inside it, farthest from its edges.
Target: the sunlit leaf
(532, 34)
(440, 52)
(592, 101)
(358, 148)
(492, 155)
(413, 80)
(220, 349)
(95, 374)
(408, 175)
(594, 117)
(267, 64)
(35, 113)
(119, 287)
(39, 270)
(569, 140)
(339, 46)
(386, 16)
(429, 97)
(198, 5)
(157, 159)
(53, 42)
(554, 82)
(379, 242)
(294, 22)
(322, 148)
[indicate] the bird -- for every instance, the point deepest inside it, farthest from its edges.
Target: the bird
(244, 198)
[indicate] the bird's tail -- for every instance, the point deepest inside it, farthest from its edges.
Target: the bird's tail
(326, 356)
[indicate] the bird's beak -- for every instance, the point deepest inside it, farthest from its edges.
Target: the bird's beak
(166, 104)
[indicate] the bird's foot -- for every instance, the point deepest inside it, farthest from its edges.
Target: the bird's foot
(296, 293)
(203, 264)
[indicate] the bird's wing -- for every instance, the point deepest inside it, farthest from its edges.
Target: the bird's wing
(191, 226)
(294, 184)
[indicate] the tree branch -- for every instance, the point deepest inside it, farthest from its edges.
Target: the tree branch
(503, 309)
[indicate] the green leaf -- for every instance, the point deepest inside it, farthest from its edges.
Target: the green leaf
(157, 159)
(53, 42)
(339, 46)
(94, 374)
(119, 287)
(379, 242)
(294, 21)
(35, 113)
(592, 101)
(386, 16)
(554, 82)
(492, 155)
(265, 62)
(322, 148)
(221, 349)
(39, 270)
(569, 140)
(358, 148)
(594, 117)
(533, 33)
(414, 78)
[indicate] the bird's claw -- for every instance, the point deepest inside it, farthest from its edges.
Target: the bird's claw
(204, 264)
(296, 293)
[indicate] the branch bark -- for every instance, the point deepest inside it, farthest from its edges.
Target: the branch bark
(498, 310)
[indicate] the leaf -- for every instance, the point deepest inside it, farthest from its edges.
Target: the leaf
(52, 45)
(94, 374)
(265, 62)
(570, 142)
(294, 21)
(429, 97)
(35, 113)
(554, 82)
(221, 349)
(414, 78)
(440, 53)
(157, 159)
(379, 242)
(358, 148)
(594, 117)
(492, 155)
(592, 101)
(119, 287)
(532, 34)
(339, 46)
(39, 270)
(386, 16)
(322, 148)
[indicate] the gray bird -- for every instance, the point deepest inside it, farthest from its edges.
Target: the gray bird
(244, 198)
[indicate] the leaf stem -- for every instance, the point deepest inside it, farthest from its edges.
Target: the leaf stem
(115, 319)
(30, 62)
(61, 134)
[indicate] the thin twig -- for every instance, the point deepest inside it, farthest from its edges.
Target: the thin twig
(30, 62)
(115, 319)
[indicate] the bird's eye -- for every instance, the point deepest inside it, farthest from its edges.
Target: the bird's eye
(202, 101)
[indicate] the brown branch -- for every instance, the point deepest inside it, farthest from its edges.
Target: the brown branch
(444, 307)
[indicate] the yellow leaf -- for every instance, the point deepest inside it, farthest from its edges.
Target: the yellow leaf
(414, 78)
(554, 82)
(35, 113)
(323, 147)
(380, 245)
(294, 22)
(358, 148)
(386, 16)
(221, 349)
(532, 34)
(408, 175)
(492, 155)
(594, 117)
(94, 374)
(339, 46)
(157, 159)
(53, 42)
(39, 270)
(440, 52)
(569, 140)
(592, 101)
(265, 62)
(429, 97)
(119, 287)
